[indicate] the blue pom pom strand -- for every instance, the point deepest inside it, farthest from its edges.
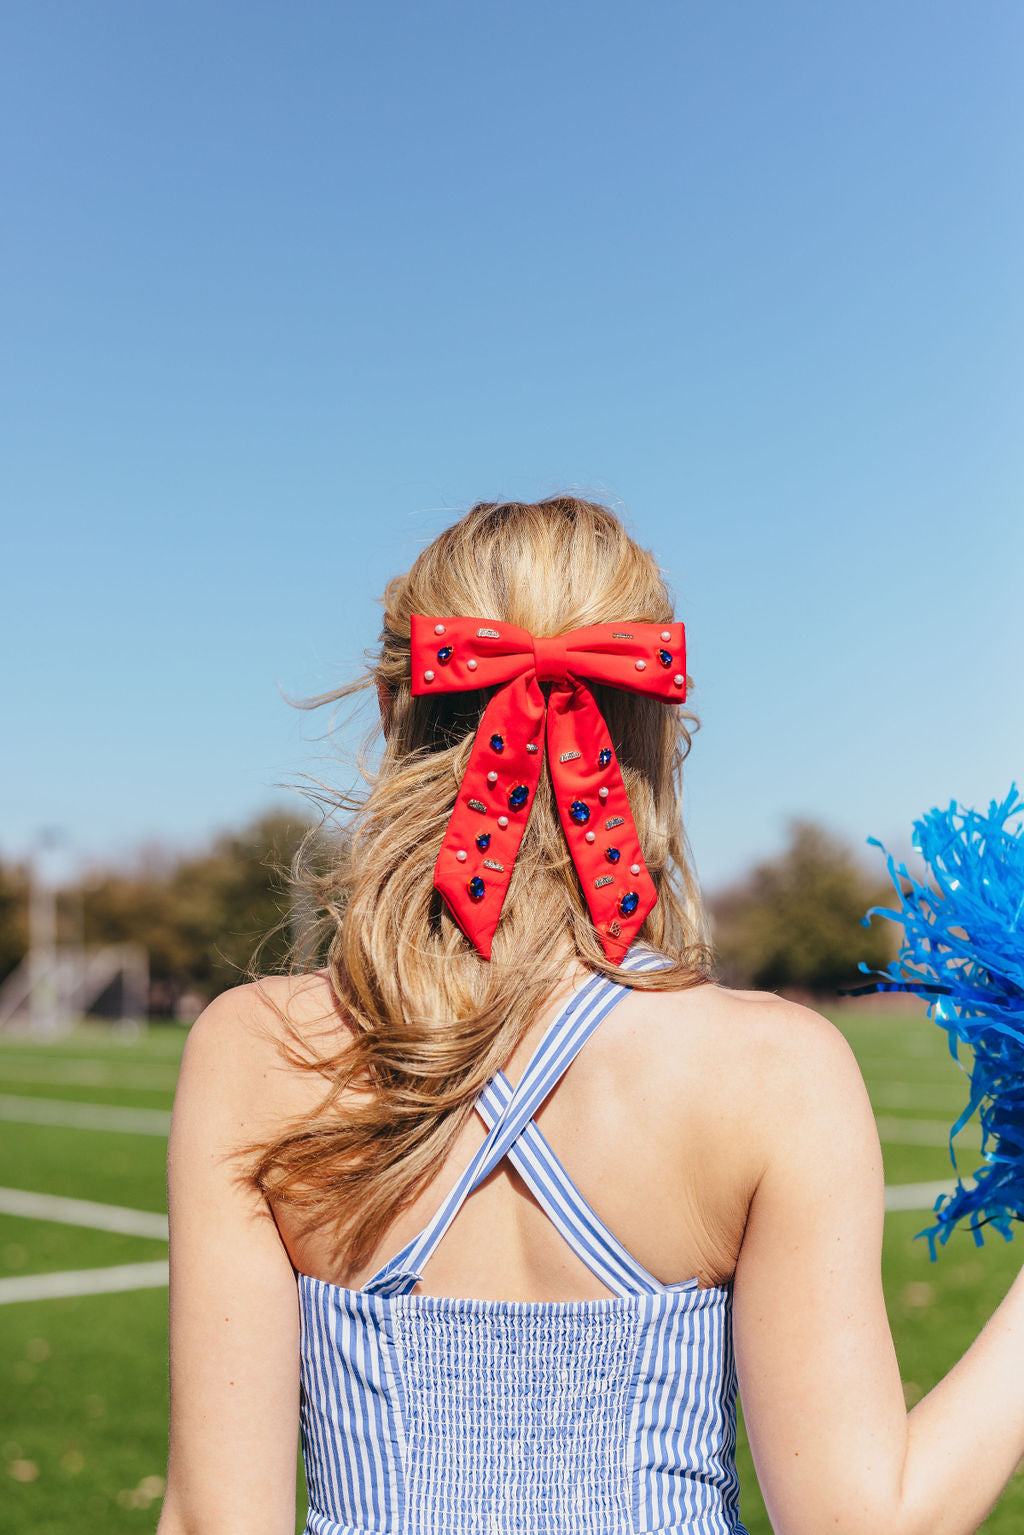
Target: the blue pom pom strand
(962, 948)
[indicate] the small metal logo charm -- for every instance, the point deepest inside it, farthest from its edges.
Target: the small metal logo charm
(476, 804)
(568, 756)
(622, 636)
(488, 634)
(489, 863)
(615, 928)
(606, 879)
(614, 820)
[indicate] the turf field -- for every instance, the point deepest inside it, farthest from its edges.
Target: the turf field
(83, 1377)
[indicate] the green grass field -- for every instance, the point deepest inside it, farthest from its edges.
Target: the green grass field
(83, 1401)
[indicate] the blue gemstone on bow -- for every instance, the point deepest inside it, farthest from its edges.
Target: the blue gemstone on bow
(629, 903)
(579, 811)
(604, 756)
(612, 854)
(518, 796)
(476, 888)
(483, 842)
(444, 655)
(498, 743)
(665, 657)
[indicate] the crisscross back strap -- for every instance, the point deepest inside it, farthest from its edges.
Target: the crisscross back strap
(560, 1045)
(567, 1209)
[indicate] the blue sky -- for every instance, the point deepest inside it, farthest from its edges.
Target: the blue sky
(284, 288)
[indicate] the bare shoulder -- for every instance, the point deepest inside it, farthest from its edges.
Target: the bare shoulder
(260, 1014)
(243, 1052)
(756, 1025)
(772, 1028)
(762, 1050)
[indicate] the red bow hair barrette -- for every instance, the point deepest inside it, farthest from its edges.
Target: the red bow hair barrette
(478, 853)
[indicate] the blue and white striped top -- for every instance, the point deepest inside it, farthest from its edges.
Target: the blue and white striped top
(431, 1415)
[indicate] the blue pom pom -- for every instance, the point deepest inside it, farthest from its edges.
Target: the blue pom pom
(963, 949)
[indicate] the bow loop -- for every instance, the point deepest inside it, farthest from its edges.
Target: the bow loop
(492, 807)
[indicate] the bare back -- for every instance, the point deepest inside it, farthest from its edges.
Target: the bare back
(654, 1123)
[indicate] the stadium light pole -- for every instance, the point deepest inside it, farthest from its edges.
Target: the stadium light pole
(47, 1018)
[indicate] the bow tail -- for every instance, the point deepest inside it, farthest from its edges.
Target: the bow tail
(597, 818)
(478, 853)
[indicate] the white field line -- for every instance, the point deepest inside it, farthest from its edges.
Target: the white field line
(914, 1196)
(919, 1095)
(87, 1073)
(123, 1276)
(84, 1116)
(83, 1212)
(925, 1132)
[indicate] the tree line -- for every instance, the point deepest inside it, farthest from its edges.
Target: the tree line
(203, 917)
(791, 924)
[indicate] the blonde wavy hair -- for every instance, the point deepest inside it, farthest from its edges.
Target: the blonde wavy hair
(429, 1021)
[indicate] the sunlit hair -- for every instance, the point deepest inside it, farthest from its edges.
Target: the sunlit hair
(429, 1020)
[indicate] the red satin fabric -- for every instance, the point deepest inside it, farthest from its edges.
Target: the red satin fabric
(452, 655)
